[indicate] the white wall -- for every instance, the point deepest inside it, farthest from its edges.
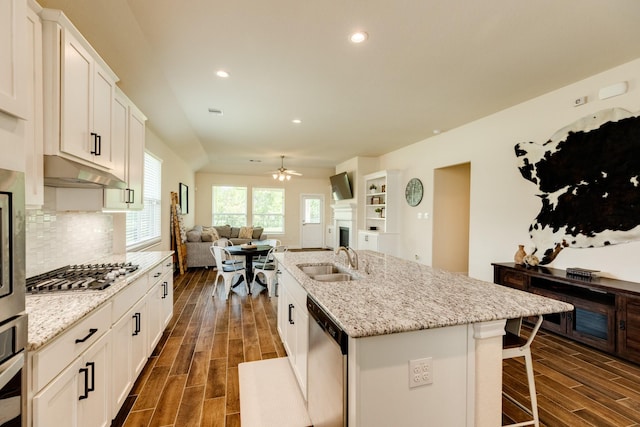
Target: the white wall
(503, 204)
(294, 189)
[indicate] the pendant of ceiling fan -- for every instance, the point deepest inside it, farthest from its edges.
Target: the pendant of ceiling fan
(283, 173)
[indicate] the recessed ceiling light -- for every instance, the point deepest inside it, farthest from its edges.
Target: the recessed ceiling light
(358, 37)
(296, 121)
(222, 73)
(436, 131)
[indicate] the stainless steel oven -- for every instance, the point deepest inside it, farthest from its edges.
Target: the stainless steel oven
(13, 319)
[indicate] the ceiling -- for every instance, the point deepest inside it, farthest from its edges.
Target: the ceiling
(427, 65)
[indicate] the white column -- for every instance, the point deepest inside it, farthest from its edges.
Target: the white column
(488, 373)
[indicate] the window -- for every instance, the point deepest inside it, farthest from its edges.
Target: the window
(143, 227)
(268, 209)
(229, 206)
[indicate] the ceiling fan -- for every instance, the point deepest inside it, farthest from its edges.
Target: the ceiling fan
(283, 173)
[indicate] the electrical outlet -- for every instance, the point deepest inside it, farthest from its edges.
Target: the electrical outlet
(420, 372)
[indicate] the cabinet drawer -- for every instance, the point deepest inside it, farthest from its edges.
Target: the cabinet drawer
(54, 357)
(167, 265)
(156, 273)
(126, 298)
(513, 279)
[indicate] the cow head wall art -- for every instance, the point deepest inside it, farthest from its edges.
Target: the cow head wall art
(588, 174)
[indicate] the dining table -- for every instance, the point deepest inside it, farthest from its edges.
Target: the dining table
(249, 252)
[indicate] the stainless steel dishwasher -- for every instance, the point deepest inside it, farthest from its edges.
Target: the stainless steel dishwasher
(326, 369)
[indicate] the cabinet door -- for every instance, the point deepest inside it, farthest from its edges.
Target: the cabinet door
(135, 163)
(101, 108)
(141, 329)
(34, 144)
(121, 357)
(57, 403)
(167, 299)
(116, 198)
(628, 333)
(95, 410)
(302, 348)
(155, 313)
(13, 62)
(77, 70)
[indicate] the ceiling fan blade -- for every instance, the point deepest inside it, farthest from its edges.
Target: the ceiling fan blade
(291, 172)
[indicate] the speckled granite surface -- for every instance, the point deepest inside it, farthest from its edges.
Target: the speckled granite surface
(51, 314)
(399, 295)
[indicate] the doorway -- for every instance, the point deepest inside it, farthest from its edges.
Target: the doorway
(312, 214)
(451, 205)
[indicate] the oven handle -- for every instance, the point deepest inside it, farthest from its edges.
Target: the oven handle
(10, 368)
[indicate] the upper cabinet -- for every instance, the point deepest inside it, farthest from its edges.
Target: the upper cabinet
(34, 176)
(13, 58)
(78, 95)
(128, 133)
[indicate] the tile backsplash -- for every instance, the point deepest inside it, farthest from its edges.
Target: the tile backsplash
(55, 239)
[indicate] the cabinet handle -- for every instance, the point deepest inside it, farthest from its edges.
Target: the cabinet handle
(623, 325)
(97, 144)
(136, 317)
(290, 316)
(85, 394)
(132, 196)
(165, 289)
(91, 332)
(92, 365)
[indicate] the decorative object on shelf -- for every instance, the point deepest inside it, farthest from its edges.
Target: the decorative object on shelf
(373, 228)
(581, 273)
(373, 188)
(518, 258)
(380, 212)
(376, 200)
(184, 199)
(531, 260)
(384, 188)
(413, 192)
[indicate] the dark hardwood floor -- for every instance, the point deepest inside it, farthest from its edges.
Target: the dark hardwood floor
(192, 377)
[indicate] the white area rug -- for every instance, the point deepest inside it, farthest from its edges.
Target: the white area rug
(270, 396)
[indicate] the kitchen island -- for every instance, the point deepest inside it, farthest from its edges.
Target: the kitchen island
(395, 311)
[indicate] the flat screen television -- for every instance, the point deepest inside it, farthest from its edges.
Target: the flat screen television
(341, 186)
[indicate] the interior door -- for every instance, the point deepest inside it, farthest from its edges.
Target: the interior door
(312, 214)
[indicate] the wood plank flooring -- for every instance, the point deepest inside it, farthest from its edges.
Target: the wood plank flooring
(192, 377)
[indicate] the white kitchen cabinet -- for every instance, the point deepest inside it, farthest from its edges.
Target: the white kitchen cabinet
(160, 303)
(128, 154)
(78, 95)
(79, 396)
(130, 351)
(34, 171)
(13, 58)
(293, 325)
(381, 212)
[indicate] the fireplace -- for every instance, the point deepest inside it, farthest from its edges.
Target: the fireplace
(343, 236)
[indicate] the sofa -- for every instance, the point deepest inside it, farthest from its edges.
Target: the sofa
(200, 238)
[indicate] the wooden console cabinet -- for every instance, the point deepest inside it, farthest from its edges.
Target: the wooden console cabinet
(606, 314)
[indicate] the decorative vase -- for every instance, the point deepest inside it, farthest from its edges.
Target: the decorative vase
(518, 258)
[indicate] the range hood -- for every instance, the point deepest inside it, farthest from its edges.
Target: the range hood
(61, 172)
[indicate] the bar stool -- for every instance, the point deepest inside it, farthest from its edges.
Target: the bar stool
(513, 345)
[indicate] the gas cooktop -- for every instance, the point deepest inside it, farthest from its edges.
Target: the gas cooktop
(79, 277)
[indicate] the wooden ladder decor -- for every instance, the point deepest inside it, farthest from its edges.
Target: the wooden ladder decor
(177, 231)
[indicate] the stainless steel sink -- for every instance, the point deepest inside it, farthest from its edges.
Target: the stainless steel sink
(327, 272)
(333, 277)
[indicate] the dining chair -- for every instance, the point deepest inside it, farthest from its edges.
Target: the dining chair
(224, 242)
(227, 271)
(268, 267)
(514, 345)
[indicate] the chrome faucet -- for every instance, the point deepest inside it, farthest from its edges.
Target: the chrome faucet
(353, 262)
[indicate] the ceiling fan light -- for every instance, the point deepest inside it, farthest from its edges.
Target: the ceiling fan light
(288, 177)
(281, 177)
(275, 176)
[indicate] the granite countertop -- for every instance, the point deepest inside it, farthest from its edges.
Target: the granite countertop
(398, 295)
(50, 314)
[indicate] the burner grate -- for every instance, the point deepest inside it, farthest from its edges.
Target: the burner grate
(79, 277)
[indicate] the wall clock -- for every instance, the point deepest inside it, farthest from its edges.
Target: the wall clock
(413, 192)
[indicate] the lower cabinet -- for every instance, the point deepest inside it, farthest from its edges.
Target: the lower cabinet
(79, 396)
(629, 328)
(293, 325)
(82, 378)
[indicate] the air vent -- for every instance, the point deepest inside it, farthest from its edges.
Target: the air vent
(215, 111)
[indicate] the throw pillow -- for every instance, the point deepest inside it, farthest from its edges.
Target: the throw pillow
(210, 234)
(257, 232)
(235, 232)
(193, 236)
(245, 233)
(224, 231)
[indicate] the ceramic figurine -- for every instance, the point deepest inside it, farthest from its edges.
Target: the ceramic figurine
(518, 258)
